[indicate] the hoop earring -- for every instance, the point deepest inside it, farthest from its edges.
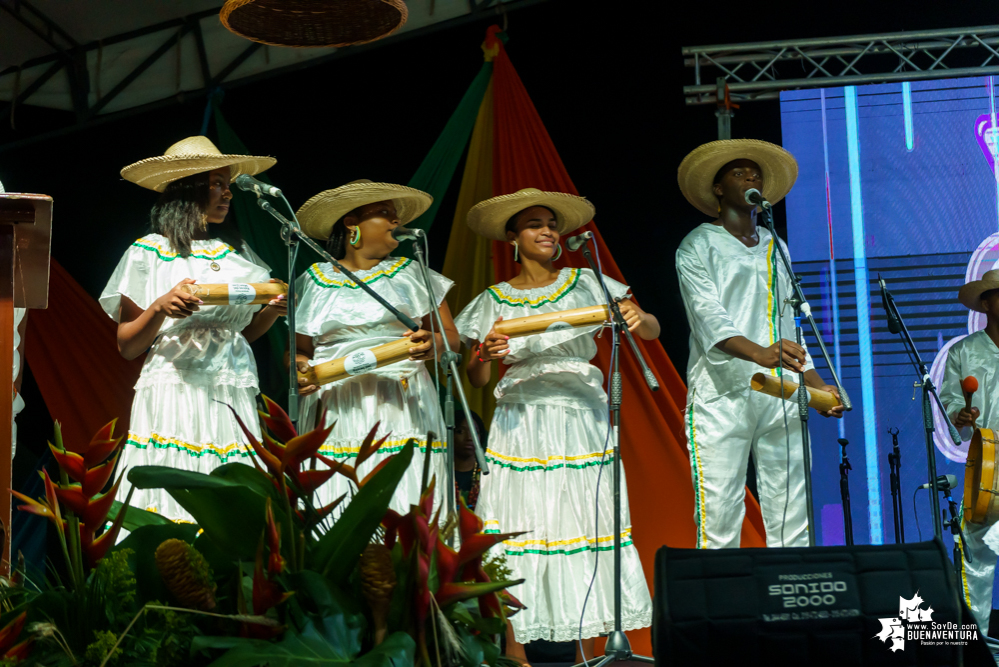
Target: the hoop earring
(558, 253)
(516, 251)
(355, 237)
(204, 222)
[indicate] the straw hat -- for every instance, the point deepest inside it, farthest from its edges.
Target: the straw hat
(697, 171)
(970, 295)
(187, 157)
(313, 23)
(488, 218)
(318, 215)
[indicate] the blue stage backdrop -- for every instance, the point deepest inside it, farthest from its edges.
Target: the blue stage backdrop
(897, 179)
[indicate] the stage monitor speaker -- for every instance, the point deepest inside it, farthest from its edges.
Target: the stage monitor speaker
(860, 605)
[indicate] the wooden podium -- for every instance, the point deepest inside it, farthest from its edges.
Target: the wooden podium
(25, 241)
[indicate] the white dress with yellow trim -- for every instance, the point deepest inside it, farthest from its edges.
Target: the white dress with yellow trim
(196, 367)
(549, 452)
(402, 397)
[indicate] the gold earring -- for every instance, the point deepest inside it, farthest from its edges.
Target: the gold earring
(204, 222)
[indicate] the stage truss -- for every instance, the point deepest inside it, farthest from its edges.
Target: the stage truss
(760, 70)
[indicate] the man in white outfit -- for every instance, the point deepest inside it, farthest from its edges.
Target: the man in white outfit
(976, 355)
(733, 284)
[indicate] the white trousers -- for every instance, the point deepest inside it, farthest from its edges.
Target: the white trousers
(720, 434)
(977, 576)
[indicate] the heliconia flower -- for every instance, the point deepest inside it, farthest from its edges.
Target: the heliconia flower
(276, 420)
(369, 446)
(10, 632)
(381, 464)
(100, 446)
(272, 462)
(342, 467)
(391, 522)
(97, 476)
(310, 480)
(451, 592)
(275, 564)
(94, 550)
(304, 446)
(323, 512)
(266, 593)
(39, 508)
(74, 464)
(468, 522)
(92, 511)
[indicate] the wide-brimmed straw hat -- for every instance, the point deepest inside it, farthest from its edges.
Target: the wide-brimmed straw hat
(697, 172)
(318, 215)
(187, 157)
(488, 218)
(970, 295)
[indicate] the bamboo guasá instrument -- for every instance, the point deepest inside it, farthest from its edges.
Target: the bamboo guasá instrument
(359, 362)
(822, 401)
(236, 294)
(563, 319)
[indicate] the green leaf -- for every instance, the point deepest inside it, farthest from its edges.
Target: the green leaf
(164, 477)
(463, 614)
(137, 518)
(335, 554)
(308, 648)
(398, 650)
(143, 542)
(232, 516)
(246, 475)
(223, 563)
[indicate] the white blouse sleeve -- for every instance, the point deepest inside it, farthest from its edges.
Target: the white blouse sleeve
(247, 252)
(473, 322)
(709, 321)
(951, 393)
(132, 278)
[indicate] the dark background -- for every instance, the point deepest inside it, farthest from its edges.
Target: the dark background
(606, 78)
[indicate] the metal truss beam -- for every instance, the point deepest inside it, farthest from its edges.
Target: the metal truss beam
(760, 70)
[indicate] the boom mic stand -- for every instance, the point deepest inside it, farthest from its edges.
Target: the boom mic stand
(897, 325)
(801, 308)
(618, 648)
(449, 359)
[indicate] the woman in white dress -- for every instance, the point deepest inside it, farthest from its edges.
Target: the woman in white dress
(335, 318)
(549, 438)
(199, 359)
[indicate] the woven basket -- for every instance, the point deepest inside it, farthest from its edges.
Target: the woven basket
(314, 23)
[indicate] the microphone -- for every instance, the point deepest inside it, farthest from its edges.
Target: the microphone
(574, 243)
(894, 325)
(250, 184)
(945, 482)
(753, 196)
(969, 386)
(404, 234)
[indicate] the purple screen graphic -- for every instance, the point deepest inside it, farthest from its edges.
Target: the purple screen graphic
(926, 220)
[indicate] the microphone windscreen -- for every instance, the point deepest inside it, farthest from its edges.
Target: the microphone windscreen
(969, 384)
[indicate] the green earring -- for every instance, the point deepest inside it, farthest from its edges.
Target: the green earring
(516, 251)
(558, 253)
(355, 236)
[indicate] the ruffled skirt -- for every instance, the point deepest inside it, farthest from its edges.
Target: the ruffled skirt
(404, 408)
(185, 426)
(547, 461)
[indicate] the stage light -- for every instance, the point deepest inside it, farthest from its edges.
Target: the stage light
(314, 23)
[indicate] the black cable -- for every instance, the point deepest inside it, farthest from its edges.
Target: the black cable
(916, 512)
(783, 403)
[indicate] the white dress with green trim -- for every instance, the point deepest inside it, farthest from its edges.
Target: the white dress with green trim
(342, 320)
(196, 367)
(546, 452)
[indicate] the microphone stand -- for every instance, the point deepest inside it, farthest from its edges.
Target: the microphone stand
(291, 234)
(844, 491)
(955, 527)
(897, 325)
(801, 308)
(618, 648)
(894, 467)
(449, 359)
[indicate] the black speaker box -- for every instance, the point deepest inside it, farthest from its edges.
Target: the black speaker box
(861, 605)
